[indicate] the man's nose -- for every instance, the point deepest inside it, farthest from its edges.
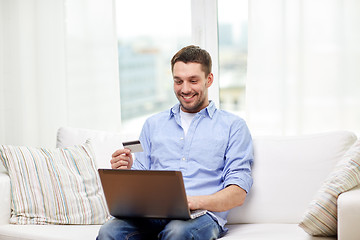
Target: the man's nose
(186, 88)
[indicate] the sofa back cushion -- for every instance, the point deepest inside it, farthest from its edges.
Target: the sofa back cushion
(104, 143)
(287, 172)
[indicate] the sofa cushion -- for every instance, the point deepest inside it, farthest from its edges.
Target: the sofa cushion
(59, 186)
(48, 232)
(287, 172)
(321, 217)
(268, 231)
(5, 198)
(104, 143)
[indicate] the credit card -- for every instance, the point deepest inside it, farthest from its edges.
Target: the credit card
(134, 146)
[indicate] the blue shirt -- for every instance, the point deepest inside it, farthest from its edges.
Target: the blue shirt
(216, 152)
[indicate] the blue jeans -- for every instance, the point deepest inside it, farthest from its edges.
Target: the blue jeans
(204, 227)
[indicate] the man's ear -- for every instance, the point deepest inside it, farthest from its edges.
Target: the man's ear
(209, 80)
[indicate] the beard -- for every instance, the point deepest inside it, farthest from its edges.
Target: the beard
(194, 106)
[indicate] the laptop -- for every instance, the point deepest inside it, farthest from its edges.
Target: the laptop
(146, 194)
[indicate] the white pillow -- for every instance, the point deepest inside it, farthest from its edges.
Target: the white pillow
(57, 186)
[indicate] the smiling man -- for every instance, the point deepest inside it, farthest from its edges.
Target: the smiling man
(211, 147)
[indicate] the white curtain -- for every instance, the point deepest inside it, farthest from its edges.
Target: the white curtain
(303, 66)
(58, 67)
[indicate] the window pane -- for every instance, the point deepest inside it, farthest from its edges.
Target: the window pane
(233, 22)
(149, 33)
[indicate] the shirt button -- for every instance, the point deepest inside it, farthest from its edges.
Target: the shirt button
(183, 159)
(181, 138)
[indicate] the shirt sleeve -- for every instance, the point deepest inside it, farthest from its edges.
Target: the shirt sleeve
(239, 157)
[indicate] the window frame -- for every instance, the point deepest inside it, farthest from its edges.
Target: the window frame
(204, 33)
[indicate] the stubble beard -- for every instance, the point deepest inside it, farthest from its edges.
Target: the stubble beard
(193, 107)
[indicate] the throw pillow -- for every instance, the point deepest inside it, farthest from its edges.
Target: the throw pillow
(54, 186)
(321, 217)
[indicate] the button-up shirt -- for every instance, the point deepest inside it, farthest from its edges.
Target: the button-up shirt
(216, 152)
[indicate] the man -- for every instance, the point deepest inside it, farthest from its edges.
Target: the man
(212, 148)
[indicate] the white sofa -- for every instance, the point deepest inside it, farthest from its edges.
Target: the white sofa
(287, 171)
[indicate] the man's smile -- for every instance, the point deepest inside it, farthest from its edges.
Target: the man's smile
(188, 97)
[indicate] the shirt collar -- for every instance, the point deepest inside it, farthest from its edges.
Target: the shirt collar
(206, 112)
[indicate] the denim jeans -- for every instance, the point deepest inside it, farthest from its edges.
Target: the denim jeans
(204, 227)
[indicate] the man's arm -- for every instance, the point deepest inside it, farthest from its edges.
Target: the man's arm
(224, 200)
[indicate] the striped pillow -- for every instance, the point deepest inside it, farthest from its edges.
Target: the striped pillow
(321, 217)
(58, 186)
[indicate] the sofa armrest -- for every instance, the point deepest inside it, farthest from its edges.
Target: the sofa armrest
(349, 215)
(5, 198)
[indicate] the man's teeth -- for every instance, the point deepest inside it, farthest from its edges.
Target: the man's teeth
(187, 97)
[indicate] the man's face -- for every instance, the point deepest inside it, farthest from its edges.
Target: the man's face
(191, 86)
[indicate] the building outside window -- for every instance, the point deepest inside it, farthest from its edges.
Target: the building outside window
(233, 20)
(147, 41)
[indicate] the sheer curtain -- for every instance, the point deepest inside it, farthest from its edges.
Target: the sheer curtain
(303, 66)
(58, 67)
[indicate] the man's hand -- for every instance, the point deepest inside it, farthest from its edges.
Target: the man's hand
(224, 200)
(121, 159)
(194, 202)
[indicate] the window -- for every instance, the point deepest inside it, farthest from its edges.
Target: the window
(233, 20)
(147, 40)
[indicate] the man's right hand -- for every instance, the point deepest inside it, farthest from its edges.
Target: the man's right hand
(121, 159)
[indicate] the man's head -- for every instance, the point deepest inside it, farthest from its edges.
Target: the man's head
(191, 69)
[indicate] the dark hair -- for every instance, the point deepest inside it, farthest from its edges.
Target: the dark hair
(193, 54)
